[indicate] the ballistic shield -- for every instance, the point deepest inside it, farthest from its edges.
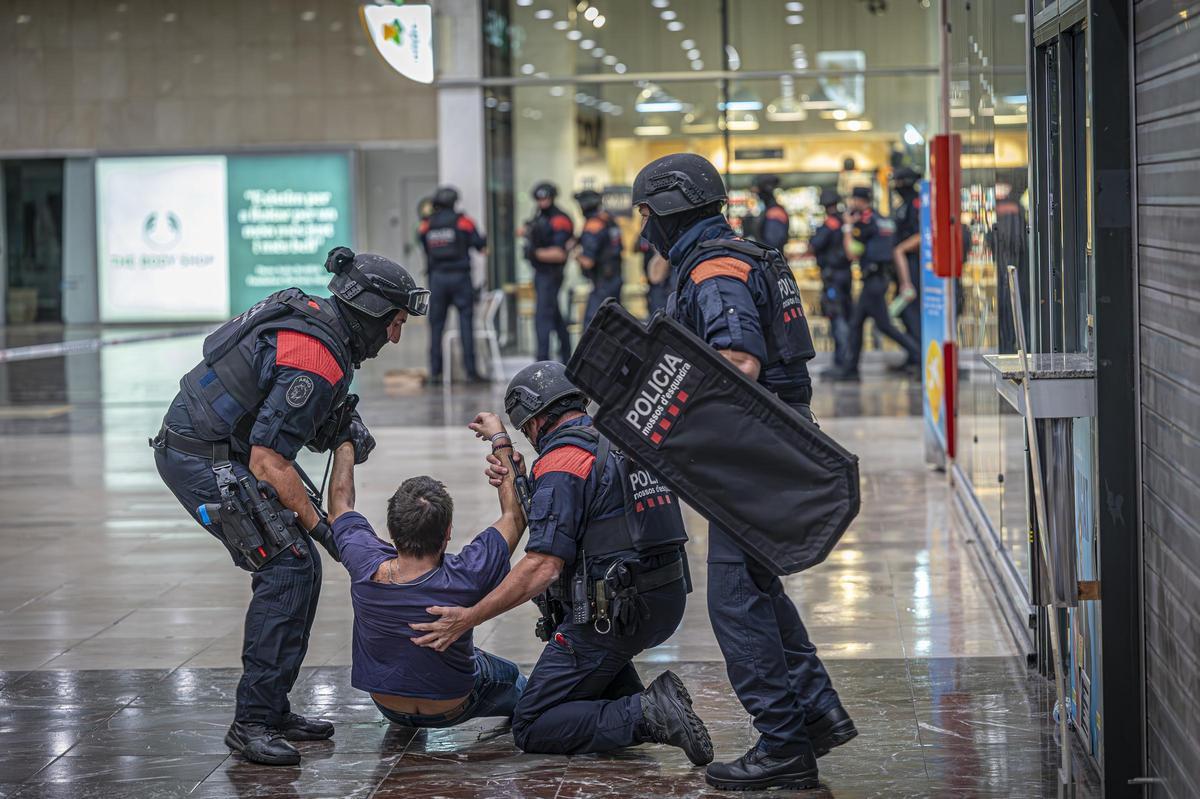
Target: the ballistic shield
(734, 451)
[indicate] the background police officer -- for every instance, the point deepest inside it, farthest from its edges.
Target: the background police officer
(868, 237)
(907, 218)
(599, 251)
(272, 381)
(448, 236)
(735, 303)
(598, 525)
(772, 225)
(547, 237)
(836, 281)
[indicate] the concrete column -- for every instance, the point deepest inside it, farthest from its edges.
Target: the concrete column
(80, 278)
(461, 131)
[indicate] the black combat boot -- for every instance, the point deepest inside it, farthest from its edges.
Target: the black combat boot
(668, 718)
(297, 728)
(830, 730)
(259, 743)
(757, 770)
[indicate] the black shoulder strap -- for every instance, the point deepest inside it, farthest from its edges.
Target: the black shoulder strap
(751, 248)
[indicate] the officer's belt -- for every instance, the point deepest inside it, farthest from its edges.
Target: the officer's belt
(216, 451)
(651, 580)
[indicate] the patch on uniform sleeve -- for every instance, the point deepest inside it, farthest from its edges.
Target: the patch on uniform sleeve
(593, 225)
(570, 459)
(721, 267)
(299, 391)
(562, 223)
(305, 352)
(833, 223)
(423, 228)
(465, 224)
(777, 213)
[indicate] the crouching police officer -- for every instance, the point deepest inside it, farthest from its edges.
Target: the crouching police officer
(742, 299)
(599, 252)
(273, 380)
(605, 561)
(448, 237)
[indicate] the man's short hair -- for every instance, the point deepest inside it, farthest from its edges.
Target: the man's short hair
(419, 513)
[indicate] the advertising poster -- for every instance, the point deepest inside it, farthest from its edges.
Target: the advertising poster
(201, 238)
(933, 331)
(285, 213)
(161, 239)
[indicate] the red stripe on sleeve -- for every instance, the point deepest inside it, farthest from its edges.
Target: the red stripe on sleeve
(570, 459)
(305, 352)
(465, 224)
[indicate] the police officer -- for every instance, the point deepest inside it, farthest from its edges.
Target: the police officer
(273, 380)
(448, 236)
(907, 218)
(657, 270)
(869, 237)
(606, 546)
(836, 281)
(547, 237)
(735, 296)
(599, 251)
(772, 226)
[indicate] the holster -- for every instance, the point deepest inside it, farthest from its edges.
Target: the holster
(250, 518)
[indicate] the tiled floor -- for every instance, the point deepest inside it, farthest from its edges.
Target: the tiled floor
(119, 618)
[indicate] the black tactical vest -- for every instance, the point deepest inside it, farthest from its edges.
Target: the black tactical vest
(608, 262)
(225, 384)
(447, 245)
(639, 513)
(785, 327)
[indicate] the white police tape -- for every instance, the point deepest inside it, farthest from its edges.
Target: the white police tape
(58, 349)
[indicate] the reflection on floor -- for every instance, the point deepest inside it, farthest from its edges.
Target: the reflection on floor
(120, 619)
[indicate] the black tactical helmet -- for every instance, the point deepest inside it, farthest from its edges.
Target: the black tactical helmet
(589, 200)
(544, 191)
(676, 183)
(445, 197)
(766, 184)
(374, 285)
(861, 192)
(904, 177)
(535, 388)
(830, 197)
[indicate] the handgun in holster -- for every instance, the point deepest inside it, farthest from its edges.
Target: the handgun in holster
(251, 518)
(551, 616)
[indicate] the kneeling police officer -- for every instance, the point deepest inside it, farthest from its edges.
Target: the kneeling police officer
(742, 299)
(273, 380)
(605, 561)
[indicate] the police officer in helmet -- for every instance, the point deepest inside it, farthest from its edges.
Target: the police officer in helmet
(547, 237)
(836, 281)
(907, 241)
(605, 561)
(273, 380)
(869, 238)
(772, 225)
(599, 251)
(741, 299)
(448, 236)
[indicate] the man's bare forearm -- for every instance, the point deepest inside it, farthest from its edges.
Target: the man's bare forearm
(341, 482)
(530, 577)
(269, 466)
(551, 255)
(511, 523)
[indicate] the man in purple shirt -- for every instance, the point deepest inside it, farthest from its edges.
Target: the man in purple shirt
(392, 584)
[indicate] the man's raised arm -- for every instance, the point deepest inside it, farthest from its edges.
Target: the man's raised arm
(341, 482)
(511, 523)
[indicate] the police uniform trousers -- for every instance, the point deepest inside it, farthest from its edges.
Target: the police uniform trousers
(602, 290)
(771, 663)
(547, 315)
(911, 315)
(872, 304)
(838, 305)
(451, 287)
(282, 607)
(583, 694)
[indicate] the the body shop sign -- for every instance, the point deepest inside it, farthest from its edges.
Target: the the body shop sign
(403, 35)
(201, 238)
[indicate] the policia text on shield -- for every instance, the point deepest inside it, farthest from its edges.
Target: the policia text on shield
(271, 381)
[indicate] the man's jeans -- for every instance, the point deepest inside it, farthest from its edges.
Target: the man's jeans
(498, 686)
